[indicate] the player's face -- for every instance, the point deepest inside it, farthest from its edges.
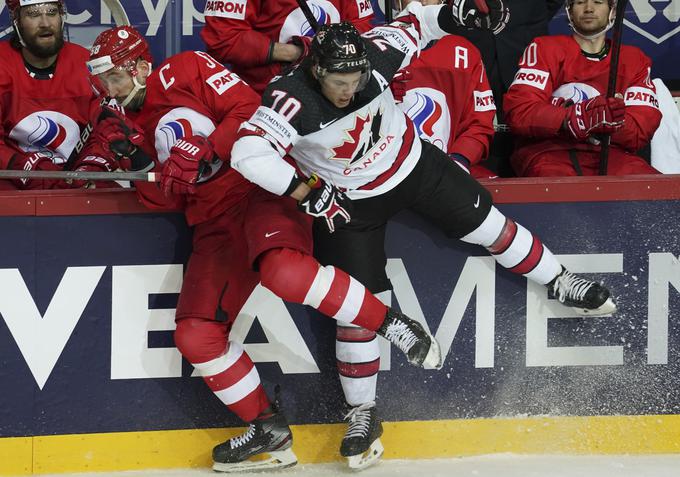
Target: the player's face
(41, 28)
(590, 16)
(117, 83)
(339, 88)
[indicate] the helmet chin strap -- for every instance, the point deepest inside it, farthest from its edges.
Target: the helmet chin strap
(139, 88)
(18, 32)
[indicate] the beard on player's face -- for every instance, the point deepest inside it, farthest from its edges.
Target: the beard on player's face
(44, 40)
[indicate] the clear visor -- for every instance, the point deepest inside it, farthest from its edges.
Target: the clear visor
(363, 81)
(338, 81)
(114, 79)
(40, 9)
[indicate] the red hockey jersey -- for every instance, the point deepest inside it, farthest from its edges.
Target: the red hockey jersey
(554, 66)
(193, 94)
(449, 98)
(45, 115)
(241, 33)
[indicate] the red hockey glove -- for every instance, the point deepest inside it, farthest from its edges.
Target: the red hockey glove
(326, 202)
(120, 135)
(598, 115)
(399, 85)
(94, 158)
(491, 15)
(35, 161)
(117, 132)
(188, 159)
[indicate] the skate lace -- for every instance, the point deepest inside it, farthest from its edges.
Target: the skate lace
(400, 335)
(359, 420)
(238, 441)
(568, 285)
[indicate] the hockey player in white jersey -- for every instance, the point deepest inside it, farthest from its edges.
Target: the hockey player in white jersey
(336, 117)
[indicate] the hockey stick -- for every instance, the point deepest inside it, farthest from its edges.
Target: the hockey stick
(83, 175)
(117, 12)
(611, 84)
(308, 15)
(388, 12)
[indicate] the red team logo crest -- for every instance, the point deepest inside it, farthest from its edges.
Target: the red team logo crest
(424, 113)
(49, 132)
(177, 124)
(428, 110)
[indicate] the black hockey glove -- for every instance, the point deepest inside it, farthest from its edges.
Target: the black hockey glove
(326, 202)
(490, 15)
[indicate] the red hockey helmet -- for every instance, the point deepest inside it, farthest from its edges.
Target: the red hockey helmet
(118, 47)
(13, 6)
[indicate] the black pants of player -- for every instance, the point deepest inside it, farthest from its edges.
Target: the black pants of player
(437, 189)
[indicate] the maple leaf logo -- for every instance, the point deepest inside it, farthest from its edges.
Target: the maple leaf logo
(358, 140)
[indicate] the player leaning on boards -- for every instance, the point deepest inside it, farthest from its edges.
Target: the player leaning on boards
(557, 103)
(336, 116)
(184, 115)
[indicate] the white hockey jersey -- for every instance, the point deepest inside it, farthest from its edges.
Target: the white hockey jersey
(364, 149)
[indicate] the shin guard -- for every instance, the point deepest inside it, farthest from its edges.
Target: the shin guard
(515, 248)
(298, 278)
(225, 366)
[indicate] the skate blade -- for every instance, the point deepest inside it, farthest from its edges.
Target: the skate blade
(277, 460)
(433, 360)
(607, 308)
(368, 458)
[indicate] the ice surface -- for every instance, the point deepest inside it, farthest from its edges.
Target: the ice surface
(503, 465)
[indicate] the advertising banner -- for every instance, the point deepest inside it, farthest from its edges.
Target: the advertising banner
(86, 320)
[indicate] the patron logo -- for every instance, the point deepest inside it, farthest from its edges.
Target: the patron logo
(531, 77)
(226, 9)
(636, 96)
(484, 101)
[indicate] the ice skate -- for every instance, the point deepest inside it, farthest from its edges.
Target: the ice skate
(408, 335)
(269, 436)
(584, 296)
(361, 444)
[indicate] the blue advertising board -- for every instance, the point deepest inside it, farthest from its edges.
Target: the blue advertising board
(86, 305)
(174, 26)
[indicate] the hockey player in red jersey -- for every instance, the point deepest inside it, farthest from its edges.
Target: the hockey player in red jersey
(45, 94)
(447, 96)
(185, 115)
(557, 104)
(258, 38)
(335, 116)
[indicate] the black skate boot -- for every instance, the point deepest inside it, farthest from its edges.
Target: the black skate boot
(361, 444)
(584, 296)
(268, 434)
(408, 335)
